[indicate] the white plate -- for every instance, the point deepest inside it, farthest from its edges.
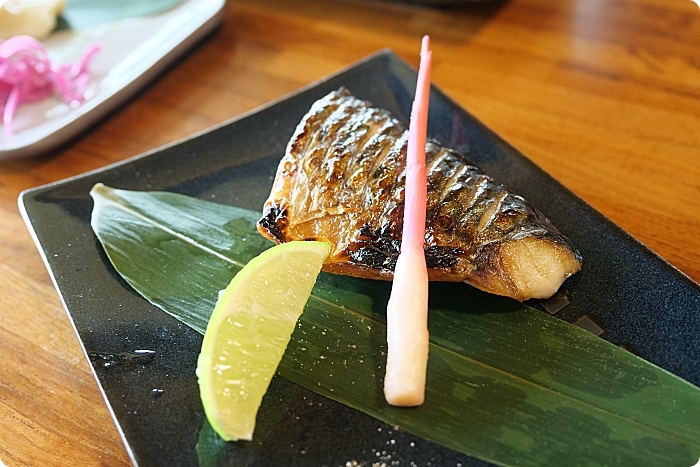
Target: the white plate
(134, 51)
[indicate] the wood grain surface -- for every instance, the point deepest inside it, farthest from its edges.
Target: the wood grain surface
(603, 95)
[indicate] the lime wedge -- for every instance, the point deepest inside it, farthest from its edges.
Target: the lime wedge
(248, 333)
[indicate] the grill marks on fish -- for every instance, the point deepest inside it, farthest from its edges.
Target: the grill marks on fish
(342, 181)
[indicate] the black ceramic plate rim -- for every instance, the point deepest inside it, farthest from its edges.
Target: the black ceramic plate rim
(686, 293)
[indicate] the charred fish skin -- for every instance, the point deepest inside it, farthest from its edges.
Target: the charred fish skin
(342, 181)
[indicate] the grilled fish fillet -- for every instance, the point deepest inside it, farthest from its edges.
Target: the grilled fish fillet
(342, 181)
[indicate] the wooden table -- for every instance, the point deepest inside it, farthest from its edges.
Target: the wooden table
(605, 96)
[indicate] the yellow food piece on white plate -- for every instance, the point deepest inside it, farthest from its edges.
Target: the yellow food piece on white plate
(36, 18)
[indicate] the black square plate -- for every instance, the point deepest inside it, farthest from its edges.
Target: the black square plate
(636, 298)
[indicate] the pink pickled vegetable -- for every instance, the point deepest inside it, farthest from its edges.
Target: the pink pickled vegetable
(407, 311)
(27, 74)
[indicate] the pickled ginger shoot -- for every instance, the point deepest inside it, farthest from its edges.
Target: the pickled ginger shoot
(407, 310)
(249, 330)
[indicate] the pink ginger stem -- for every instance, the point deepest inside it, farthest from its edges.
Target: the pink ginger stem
(416, 183)
(407, 310)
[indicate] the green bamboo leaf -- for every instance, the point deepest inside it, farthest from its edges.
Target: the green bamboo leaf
(506, 383)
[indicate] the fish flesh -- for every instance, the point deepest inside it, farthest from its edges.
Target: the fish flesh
(342, 180)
